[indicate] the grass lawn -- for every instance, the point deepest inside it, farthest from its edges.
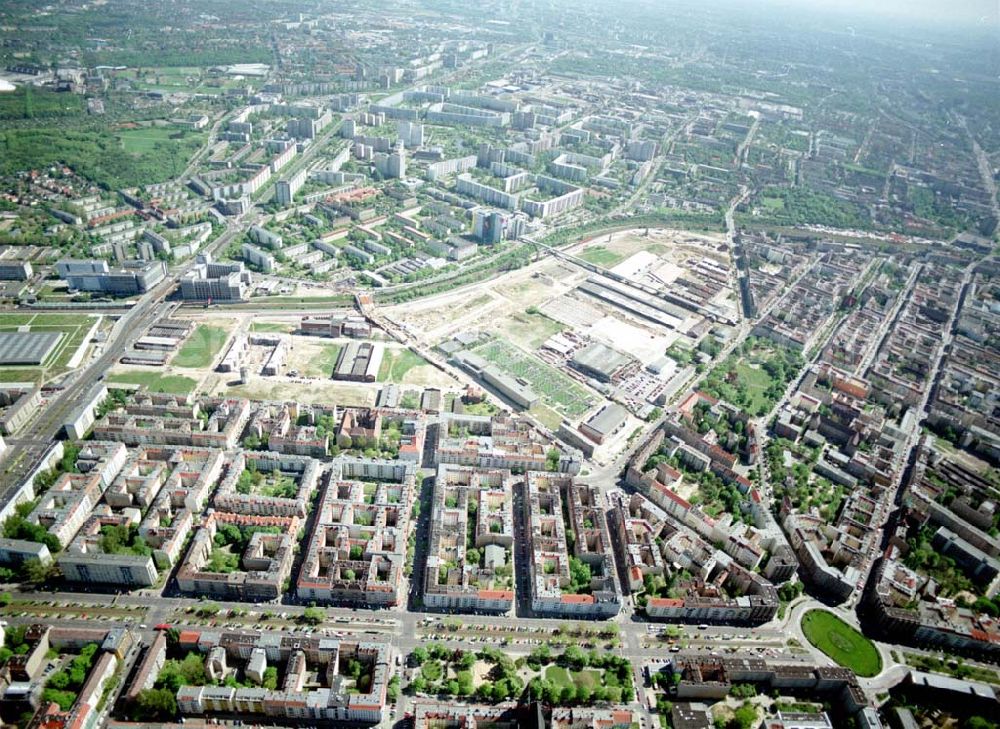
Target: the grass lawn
(601, 256)
(15, 320)
(155, 382)
(772, 203)
(396, 363)
(546, 416)
(270, 326)
(21, 374)
(531, 329)
(150, 140)
(845, 645)
(563, 677)
(322, 365)
(755, 381)
(201, 347)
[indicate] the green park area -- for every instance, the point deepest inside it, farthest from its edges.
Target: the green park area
(201, 347)
(572, 678)
(229, 544)
(842, 643)
(754, 376)
(396, 363)
(110, 158)
(156, 382)
(272, 483)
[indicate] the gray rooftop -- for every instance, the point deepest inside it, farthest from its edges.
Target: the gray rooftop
(27, 348)
(600, 358)
(608, 418)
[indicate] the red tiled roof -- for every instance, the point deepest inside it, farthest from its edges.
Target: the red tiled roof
(189, 636)
(495, 594)
(665, 602)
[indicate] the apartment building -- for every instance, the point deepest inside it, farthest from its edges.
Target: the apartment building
(85, 560)
(470, 559)
(575, 576)
(18, 407)
(300, 471)
(154, 422)
(499, 441)
(357, 550)
(326, 658)
(266, 564)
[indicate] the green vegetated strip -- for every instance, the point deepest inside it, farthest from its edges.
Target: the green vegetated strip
(21, 374)
(179, 57)
(268, 326)
(201, 347)
(292, 302)
(155, 382)
(15, 320)
(555, 388)
(842, 643)
(669, 219)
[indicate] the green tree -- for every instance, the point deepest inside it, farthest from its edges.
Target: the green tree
(418, 685)
(313, 615)
(270, 678)
(574, 657)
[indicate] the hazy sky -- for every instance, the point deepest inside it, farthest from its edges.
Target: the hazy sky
(985, 13)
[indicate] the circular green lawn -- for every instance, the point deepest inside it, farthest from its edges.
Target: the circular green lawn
(845, 645)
